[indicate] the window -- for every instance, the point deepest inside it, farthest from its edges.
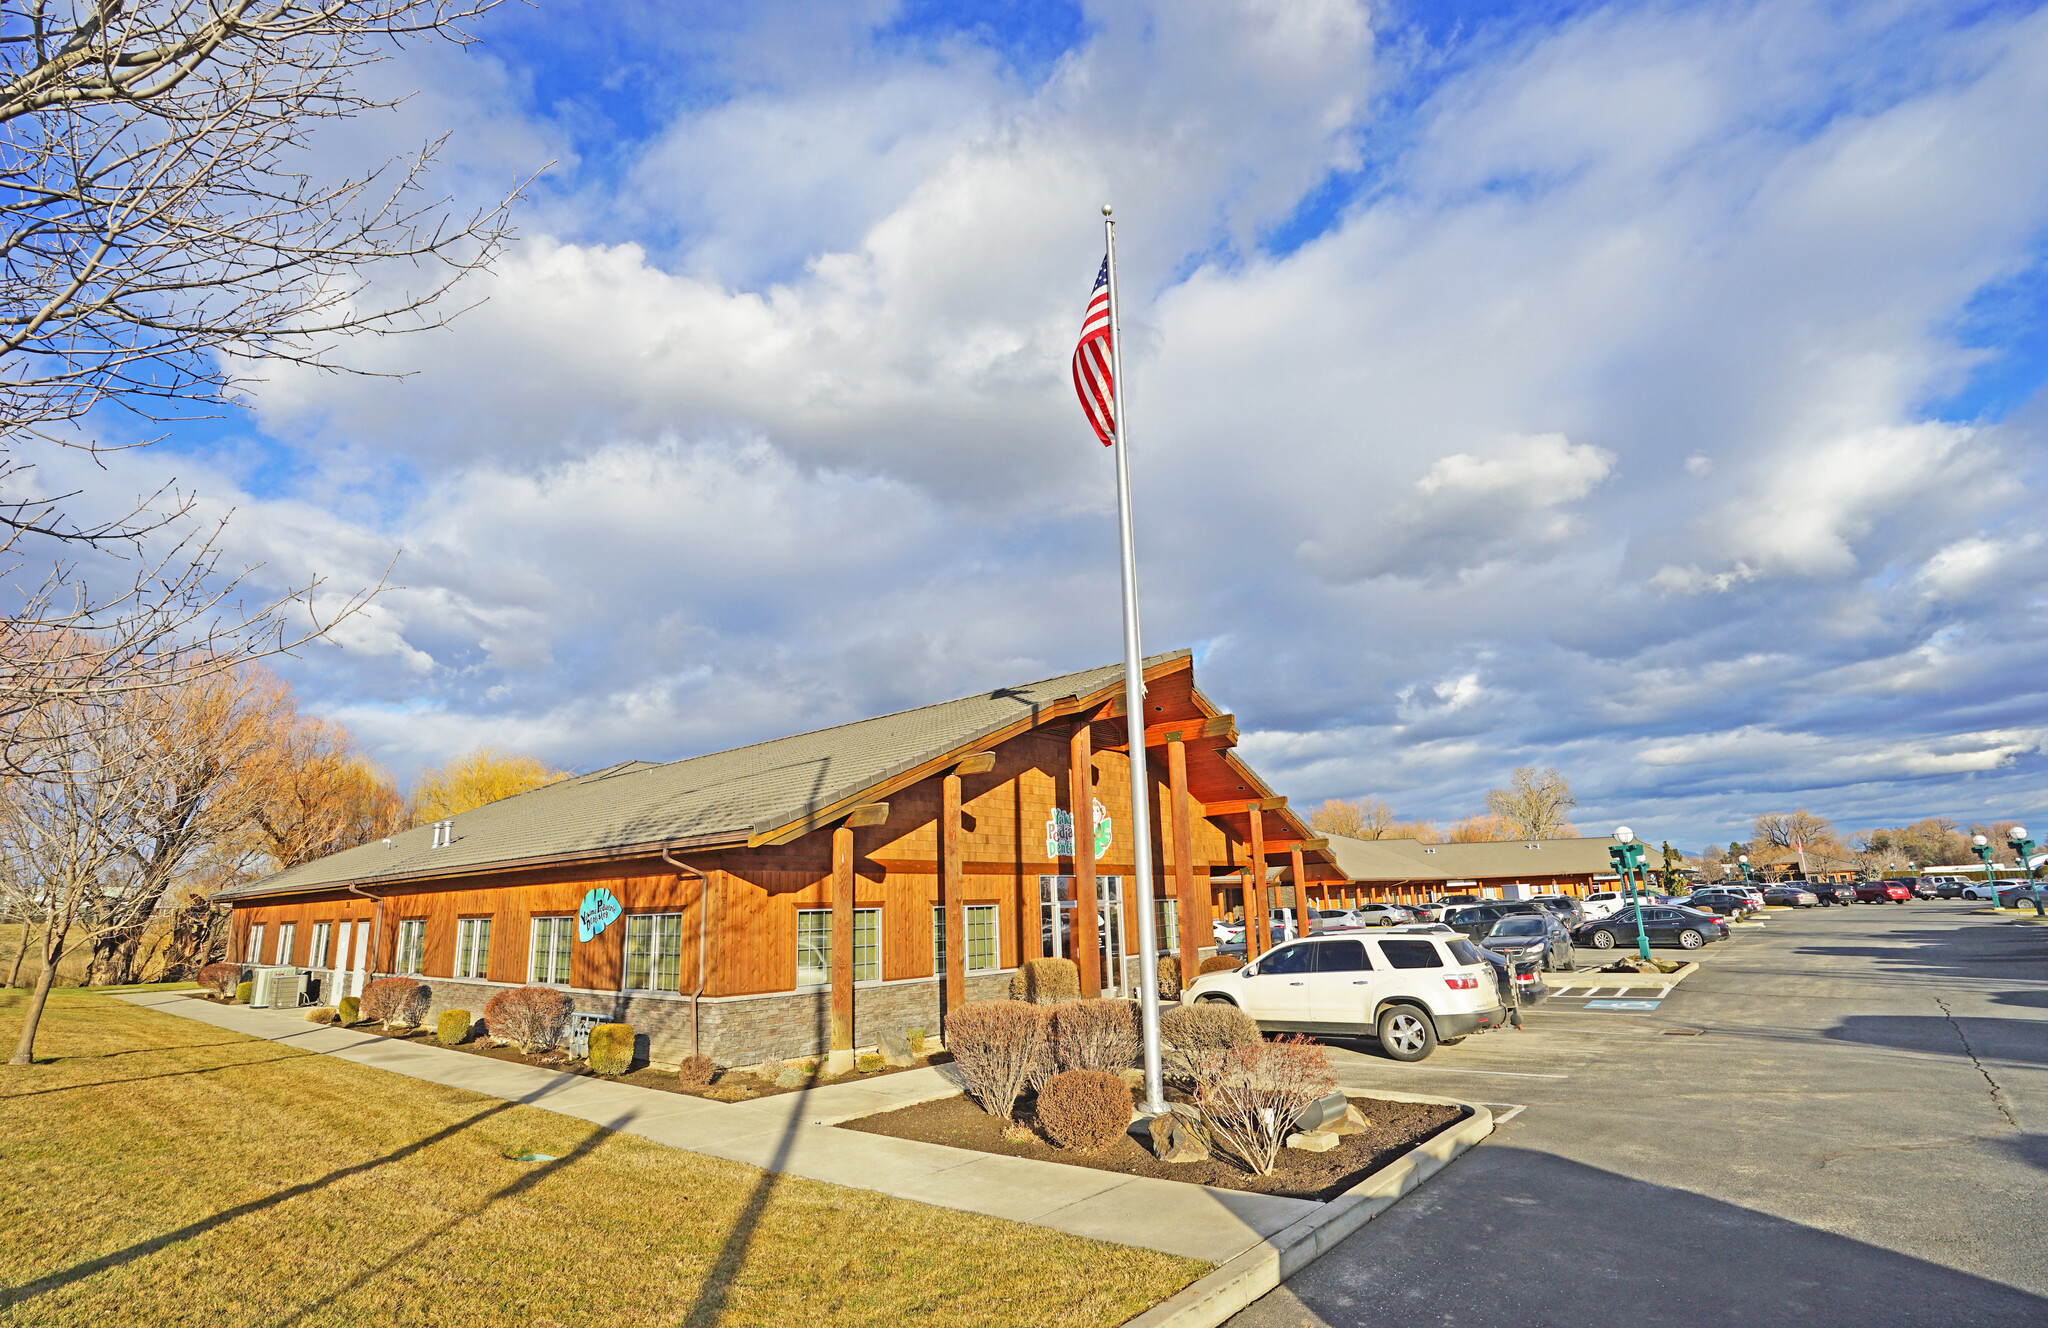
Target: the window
(1166, 924)
(1341, 957)
(979, 922)
(287, 933)
(1288, 959)
(316, 955)
(814, 946)
(1411, 954)
(255, 943)
(412, 945)
(654, 945)
(473, 948)
(550, 962)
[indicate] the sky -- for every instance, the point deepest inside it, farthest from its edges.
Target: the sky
(1651, 391)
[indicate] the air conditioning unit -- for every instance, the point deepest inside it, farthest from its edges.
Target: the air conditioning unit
(274, 986)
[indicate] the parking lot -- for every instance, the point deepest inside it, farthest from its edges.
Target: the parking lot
(1841, 1118)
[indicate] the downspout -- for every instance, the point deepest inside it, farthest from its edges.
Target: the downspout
(703, 943)
(376, 924)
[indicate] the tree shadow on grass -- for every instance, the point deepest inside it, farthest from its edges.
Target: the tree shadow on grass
(12, 1296)
(146, 1078)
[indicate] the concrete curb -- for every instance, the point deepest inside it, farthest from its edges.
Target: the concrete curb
(1212, 1299)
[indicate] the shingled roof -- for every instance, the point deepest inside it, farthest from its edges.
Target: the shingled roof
(1410, 860)
(721, 797)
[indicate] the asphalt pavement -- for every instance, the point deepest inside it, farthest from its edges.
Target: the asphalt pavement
(1841, 1119)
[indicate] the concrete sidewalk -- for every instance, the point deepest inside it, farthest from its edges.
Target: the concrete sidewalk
(792, 1134)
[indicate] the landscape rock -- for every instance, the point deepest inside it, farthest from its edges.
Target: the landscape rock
(1354, 1122)
(1174, 1138)
(1313, 1141)
(895, 1049)
(792, 1076)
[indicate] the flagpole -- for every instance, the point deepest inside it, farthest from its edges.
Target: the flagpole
(1134, 706)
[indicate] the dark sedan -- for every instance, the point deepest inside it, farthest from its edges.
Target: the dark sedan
(1686, 928)
(1791, 896)
(1725, 903)
(1538, 936)
(1476, 920)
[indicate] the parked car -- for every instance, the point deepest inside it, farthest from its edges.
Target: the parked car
(1474, 921)
(1949, 887)
(1728, 903)
(1881, 892)
(1604, 904)
(1377, 915)
(1832, 893)
(2015, 893)
(1687, 928)
(1411, 991)
(1428, 911)
(1569, 911)
(1540, 936)
(1980, 890)
(1754, 892)
(1791, 896)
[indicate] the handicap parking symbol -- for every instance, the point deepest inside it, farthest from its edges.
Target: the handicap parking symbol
(1622, 1005)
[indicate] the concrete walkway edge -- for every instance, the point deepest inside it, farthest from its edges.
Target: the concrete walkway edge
(1212, 1299)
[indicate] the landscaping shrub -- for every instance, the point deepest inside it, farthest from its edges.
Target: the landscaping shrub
(1169, 977)
(611, 1048)
(695, 1071)
(394, 1001)
(1219, 964)
(1249, 1096)
(1046, 982)
(1095, 1035)
(1084, 1109)
(770, 1070)
(244, 992)
(322, 1014)
(1191, 1032)
(220, 979)
(870, 1063)
(452, 1028)
(997, 1045)
(915, 1037)
(347, 1010)
(530, 1018)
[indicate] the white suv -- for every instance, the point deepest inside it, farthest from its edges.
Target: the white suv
(1412, 989)
(1603, 905)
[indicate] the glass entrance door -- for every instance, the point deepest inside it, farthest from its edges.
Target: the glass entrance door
(1056, 904)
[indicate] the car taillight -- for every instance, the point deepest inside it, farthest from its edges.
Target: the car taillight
(1462, 984)
(1525, 977)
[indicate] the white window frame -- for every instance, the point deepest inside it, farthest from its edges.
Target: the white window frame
(410, 957)
(991, 916)
(652, 924)
(1166, 923)
(255, 951)
(561, 931)
(872, 917)
(823, 952)
(287, 937)
(939, 940)
(320, 953)
(473, 948)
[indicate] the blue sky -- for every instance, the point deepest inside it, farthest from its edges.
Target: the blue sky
(1648, 390)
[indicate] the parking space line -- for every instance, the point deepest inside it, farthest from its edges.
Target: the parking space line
(1504, 1074)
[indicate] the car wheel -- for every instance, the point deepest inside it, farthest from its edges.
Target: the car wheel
(1689, 939)
(1406, 1033)
(1603, 939)
(1571, 961)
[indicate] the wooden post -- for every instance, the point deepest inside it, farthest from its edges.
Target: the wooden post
(1081, 797)
(1301, 889)
(842, 946)
(1256, 911)
(950, 883)
(1194, 914)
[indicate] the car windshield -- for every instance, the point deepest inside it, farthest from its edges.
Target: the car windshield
(1518, 926)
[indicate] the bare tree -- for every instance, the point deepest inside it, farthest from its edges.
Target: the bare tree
(1535, 803)
(1797, 833)
(160, 242)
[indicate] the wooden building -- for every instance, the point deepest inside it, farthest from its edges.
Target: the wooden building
(807, 893)
(1404, 871)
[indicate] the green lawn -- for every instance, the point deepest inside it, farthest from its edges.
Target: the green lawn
(158, 1171)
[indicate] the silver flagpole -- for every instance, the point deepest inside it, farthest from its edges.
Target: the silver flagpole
(1134, 704)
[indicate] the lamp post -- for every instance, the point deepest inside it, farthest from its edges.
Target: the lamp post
(1744, 860)
(2022, 849)
(1981, 846)
(1628, 857)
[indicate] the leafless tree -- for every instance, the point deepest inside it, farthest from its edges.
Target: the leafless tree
(1535, 804)
(162, 239)
(1800, 833)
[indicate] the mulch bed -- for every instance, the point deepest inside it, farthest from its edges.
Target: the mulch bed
(1396, 1127)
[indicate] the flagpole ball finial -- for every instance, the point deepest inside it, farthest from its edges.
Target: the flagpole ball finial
(1105, 209)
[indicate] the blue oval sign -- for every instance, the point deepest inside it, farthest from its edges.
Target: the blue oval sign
(599, 909)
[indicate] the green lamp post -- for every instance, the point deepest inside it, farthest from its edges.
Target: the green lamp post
(2022, 850)
(1744, 861)
(1627, 857)
(1981, 846)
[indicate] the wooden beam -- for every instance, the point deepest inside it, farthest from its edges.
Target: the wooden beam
(1193, 911)
(1297, 846)
(1081, 797)
(978, 764)
(1242, 805)
(867, 814)
(949, 894)
(1193, 730)
(1300, 882)
(1256, 911)
(842, 939)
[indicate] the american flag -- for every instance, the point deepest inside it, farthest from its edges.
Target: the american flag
(1092, 380)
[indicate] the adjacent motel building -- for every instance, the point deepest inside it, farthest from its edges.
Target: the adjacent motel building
(809, 893)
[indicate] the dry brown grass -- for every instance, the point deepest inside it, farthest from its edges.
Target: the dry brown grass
(156, 1170)
(71, 966)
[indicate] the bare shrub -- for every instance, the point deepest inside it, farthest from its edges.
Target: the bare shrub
(1095, 1035)
(1193, 1031)
(1169, 977)
(1085, 1110)
(220, 979)
(695, 1071)
(1046, 981)
(997, 1045)
(393, 1001)
(1249, 1096)
(1219, 964)
(530, 1018)
(322, 1014)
